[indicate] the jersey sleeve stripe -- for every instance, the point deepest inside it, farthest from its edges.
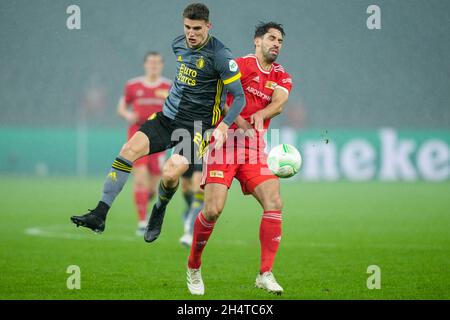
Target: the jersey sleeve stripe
(216, 108)
(232, 79)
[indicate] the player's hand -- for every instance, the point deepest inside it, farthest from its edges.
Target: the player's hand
(220, 135)
(245, 126)
(131, 117)
(257, 119)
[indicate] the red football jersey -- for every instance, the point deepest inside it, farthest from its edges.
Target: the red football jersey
(259, 85)
(146, 98)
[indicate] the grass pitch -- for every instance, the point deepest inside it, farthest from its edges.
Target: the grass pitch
(332, 232)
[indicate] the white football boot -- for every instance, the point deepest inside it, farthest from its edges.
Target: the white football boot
(268, 282)
(186, 240)
(195, 282)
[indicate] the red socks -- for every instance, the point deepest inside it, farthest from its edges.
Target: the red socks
(141, 198)
(202, 230)
(269, 237)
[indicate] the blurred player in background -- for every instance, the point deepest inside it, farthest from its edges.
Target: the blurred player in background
(186, 189)
(193, 195)
(144, 96)
(267, 86)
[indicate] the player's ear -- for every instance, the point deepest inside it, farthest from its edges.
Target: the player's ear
(209, 25)
(257, 41)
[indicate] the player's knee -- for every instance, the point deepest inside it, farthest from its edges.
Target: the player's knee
(212, 211)
(169, 175)
(274, 202)
(131, 151)
(278, 204)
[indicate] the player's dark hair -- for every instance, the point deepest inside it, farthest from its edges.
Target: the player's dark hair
(153, 53)
(196, 11)
(263, 27)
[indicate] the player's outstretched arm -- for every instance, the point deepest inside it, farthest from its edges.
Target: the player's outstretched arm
(274, 108)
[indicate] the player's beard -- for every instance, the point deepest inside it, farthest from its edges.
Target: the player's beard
(269, 56)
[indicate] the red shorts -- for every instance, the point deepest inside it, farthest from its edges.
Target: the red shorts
(248, 166)
(154, 162)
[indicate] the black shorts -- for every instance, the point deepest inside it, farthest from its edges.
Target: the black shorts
(188, 141)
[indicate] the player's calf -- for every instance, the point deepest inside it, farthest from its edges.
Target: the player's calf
(121, 168)
(116, 179)
(154, 226)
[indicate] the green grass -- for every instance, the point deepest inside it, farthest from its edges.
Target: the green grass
(331, 233)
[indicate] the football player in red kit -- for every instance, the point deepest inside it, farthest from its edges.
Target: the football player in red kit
(266, 85)
(143, 97)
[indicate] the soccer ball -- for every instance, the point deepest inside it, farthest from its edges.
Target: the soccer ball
(284, 160)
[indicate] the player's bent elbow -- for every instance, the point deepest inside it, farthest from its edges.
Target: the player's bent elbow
(280, 110)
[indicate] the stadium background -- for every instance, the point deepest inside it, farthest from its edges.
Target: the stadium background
(366, 105)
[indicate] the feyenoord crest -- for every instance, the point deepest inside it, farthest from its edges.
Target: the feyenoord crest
(200, 63)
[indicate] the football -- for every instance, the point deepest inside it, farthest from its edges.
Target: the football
(284, 160)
